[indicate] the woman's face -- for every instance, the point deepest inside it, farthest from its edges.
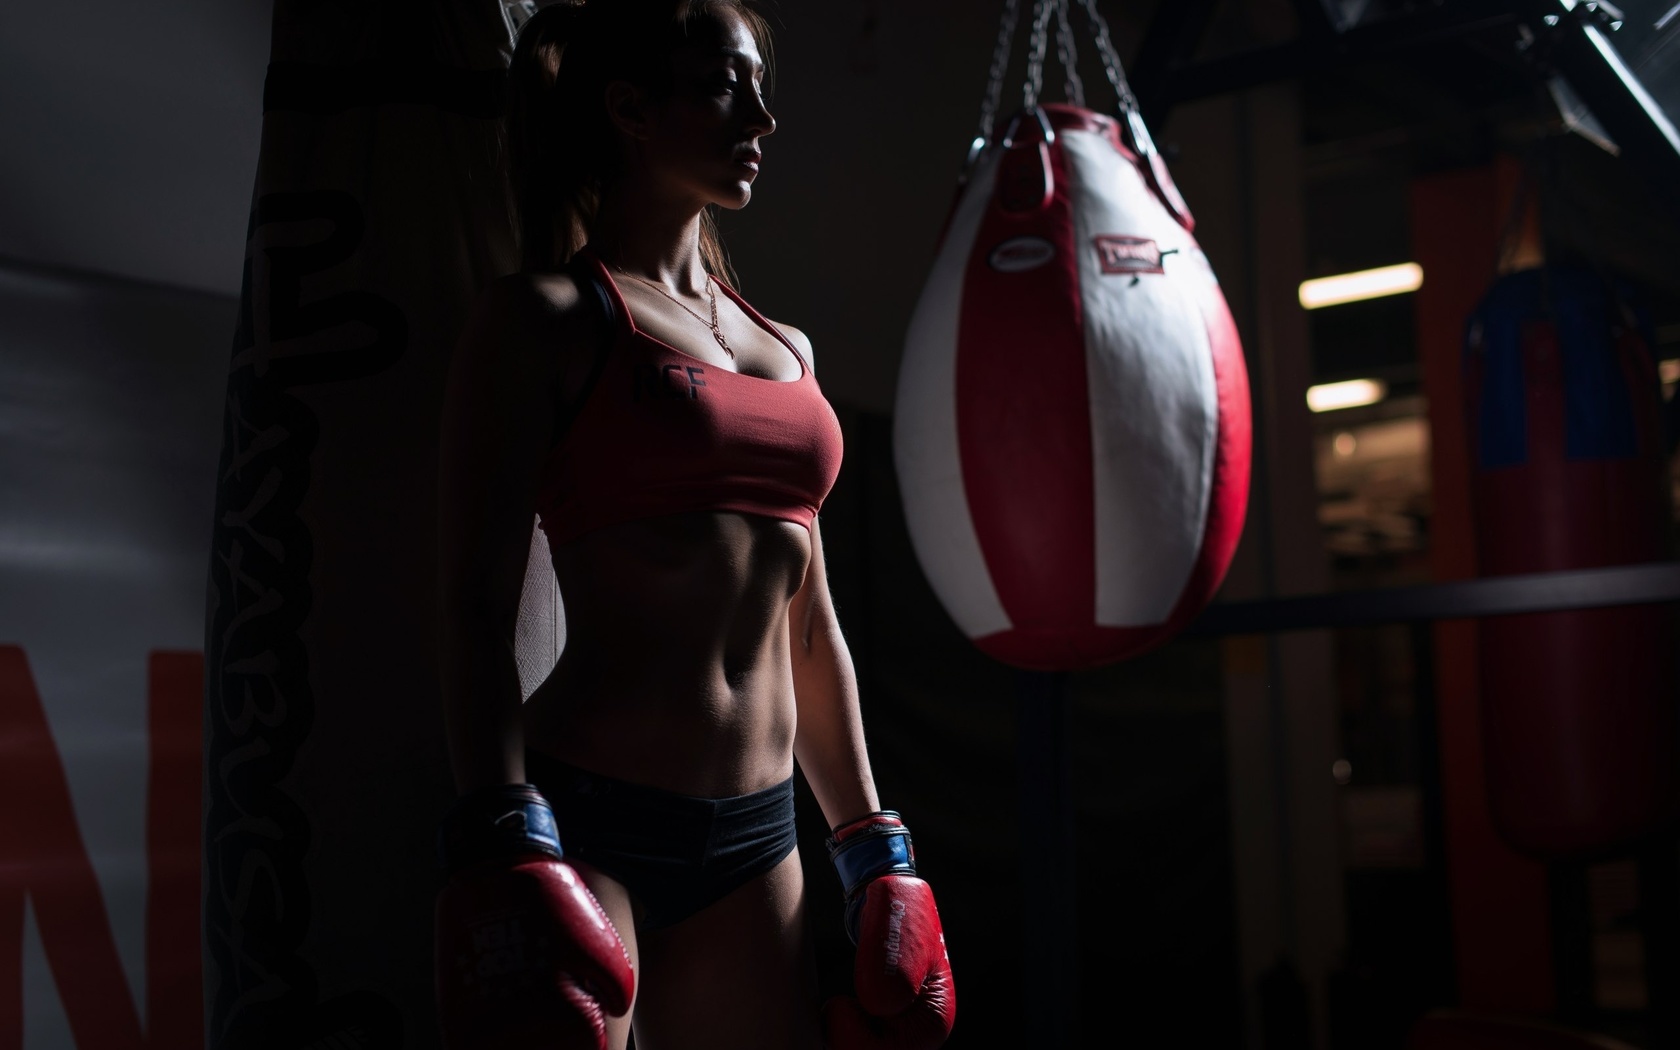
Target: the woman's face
(702, 138)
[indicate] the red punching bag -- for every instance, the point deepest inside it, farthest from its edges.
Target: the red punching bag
(1568, 472)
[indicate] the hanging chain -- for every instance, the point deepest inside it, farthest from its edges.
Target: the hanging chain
(1111, 58)
(515, 13)
(1068, 53)
(1042, 9)
(994, 81)
(1037, 48)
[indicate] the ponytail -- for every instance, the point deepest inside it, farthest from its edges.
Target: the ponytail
(561, 149)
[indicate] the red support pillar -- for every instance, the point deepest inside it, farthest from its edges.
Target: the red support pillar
(174, 851)
(1500, 908)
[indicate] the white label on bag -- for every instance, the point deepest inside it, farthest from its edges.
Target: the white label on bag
(1019, 254)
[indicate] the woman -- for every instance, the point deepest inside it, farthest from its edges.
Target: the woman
(676, 448)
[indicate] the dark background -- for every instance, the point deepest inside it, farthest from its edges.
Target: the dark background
(132, 133)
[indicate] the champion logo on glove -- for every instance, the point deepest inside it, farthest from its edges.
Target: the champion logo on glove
(895, 932)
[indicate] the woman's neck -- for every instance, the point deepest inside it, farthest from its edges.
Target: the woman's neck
(650, 235)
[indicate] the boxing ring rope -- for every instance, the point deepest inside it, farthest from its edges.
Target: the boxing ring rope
(1455, 600)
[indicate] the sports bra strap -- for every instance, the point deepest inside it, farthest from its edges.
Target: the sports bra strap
(589, 286)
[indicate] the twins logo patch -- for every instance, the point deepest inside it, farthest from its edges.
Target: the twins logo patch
(1120, 254)
(1019, 254)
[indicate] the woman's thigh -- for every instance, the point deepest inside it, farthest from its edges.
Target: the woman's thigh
(615, 901)
(740, 975)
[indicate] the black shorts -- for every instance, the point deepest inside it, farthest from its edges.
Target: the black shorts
(676, 854)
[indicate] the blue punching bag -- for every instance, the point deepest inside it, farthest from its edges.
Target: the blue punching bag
(1569, 472)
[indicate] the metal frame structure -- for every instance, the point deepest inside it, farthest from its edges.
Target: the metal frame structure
(1573, 38)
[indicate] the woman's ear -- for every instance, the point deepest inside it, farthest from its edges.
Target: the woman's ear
(627, 108)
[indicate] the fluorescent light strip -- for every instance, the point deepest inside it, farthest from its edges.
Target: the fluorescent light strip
(1327, 397)
(1365, 284)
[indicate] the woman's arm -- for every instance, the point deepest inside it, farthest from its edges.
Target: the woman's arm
(497, 429)
(829, 742)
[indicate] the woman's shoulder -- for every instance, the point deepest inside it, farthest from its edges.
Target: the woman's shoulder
(533, 298)
(535, 309)
(800, 341)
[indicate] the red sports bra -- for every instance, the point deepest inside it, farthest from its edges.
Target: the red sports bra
(662, 432)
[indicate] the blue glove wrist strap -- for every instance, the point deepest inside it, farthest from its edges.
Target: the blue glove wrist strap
(883, 849)
(498, 822)
(880, 849)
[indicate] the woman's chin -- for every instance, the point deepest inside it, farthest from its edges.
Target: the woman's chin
(736, 197)
(740, 194)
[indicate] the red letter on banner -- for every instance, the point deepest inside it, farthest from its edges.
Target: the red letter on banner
(46, 864)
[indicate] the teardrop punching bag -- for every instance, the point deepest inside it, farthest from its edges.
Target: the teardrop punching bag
(376, 218)
(1568, 472)
(1072, 423)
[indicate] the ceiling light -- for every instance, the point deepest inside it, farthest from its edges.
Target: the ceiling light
(1365, 284)
(1351, 393)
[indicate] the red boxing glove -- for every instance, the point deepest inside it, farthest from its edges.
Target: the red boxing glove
(902, 975)
(525, 955)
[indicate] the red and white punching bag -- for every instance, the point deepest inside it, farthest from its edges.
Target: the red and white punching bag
(1072, 423)
(1580, 726)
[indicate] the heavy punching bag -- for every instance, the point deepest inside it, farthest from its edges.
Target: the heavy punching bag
(1071, 431)
(376, 218)
(1569, 472)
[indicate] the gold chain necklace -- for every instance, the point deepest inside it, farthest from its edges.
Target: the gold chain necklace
(711, 293)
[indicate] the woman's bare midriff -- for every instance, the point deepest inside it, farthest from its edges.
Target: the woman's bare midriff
(676, 668)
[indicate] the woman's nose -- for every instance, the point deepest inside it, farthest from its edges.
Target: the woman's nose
(759, 120)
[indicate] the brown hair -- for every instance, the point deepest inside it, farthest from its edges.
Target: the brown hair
(561, 149)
